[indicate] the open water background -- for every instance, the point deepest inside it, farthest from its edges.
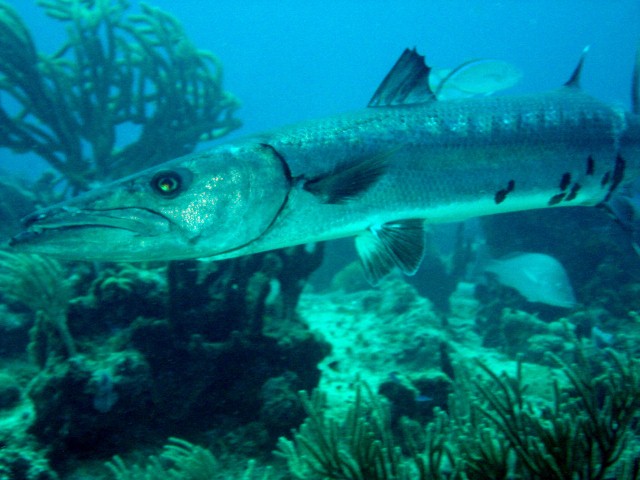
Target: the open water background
(290, 60)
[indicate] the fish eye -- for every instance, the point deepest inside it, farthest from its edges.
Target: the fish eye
(167, 183)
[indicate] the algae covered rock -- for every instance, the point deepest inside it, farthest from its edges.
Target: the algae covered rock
(281, 409)
(214, 347)
(18, 463)
(417, 397)
(118, 295)
(10, 391)
(14, 331)
(85, 405)
(197, 382)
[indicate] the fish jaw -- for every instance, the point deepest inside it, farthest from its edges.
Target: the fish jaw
(96, 235)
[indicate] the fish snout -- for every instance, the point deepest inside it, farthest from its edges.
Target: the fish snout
(37, 222)
(134, 220)
(43, 215)
(22, 237)
(73, 233)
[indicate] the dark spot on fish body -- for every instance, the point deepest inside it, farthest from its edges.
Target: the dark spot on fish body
(574, 192)
(617, 177)
(591, 166)
(556, 199)
(501, 195)
(565, 181)
(605, 178)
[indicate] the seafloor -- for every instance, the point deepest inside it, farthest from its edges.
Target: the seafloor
(102, 365)
(287, 364)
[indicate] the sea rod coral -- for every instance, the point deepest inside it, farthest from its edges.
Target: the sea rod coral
(115, 71)
(493, 430)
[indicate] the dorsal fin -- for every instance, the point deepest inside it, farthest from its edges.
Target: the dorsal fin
(635, 84)
(574, 80)
(406, 83)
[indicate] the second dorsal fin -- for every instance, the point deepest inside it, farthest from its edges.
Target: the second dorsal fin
(406, 83)
(574, 80)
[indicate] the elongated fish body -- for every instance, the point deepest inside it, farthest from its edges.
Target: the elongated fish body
(459, 159)
(378, 174)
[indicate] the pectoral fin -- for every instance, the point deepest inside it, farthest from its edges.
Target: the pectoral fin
(349, 182)
(395, 244)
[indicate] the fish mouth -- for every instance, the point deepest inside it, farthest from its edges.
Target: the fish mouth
(138, 221)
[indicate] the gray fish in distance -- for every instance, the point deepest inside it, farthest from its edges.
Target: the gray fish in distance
(475, 77)
(536, 276)
(377, 174)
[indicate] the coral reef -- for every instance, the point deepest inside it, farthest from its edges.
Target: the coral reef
(441, 411)
(114, 71)
(81, 405)
(193, 349)
(180, 460)
(10, 391)
(439, 274)
(361, 446)
(20, 463)
(216, 352)
(581, 433)
(40, 284)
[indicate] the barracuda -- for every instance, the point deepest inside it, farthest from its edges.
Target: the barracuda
(378, 174)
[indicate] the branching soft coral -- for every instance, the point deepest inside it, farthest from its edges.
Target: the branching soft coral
(40, 284)
(583, 434)
(494, 431)
(115, 71)
(359, 448)
(179, 460)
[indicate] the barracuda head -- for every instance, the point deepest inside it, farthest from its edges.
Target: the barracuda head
(204, 204)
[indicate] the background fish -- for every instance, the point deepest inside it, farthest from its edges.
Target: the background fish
(475, 77)
(536, 276)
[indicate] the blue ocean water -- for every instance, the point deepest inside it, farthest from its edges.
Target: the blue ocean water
(289, 60)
